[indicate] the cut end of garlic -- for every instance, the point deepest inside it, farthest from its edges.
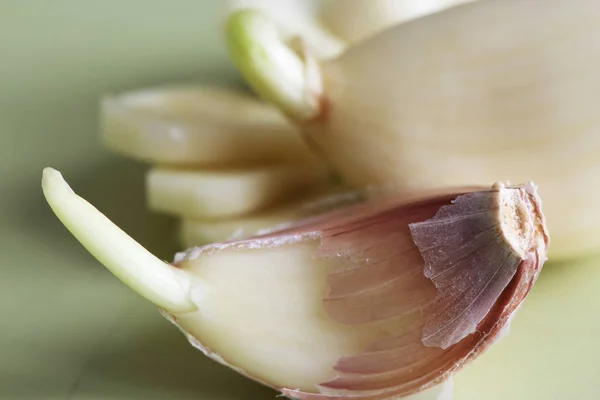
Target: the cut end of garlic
(480, 244)
(522, 221)
(273, 67)
(161, 283)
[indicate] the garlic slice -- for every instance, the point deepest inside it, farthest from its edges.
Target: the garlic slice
(198, 125)
(308, 310)
(229, 193)
(469, 95)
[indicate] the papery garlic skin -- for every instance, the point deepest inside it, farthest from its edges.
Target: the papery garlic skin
(338, 305)
(473, 94)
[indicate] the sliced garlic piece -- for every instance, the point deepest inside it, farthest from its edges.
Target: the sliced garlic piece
(228, 193)
(199, 125)
(340, 305)
(469, 95)
(356, 20)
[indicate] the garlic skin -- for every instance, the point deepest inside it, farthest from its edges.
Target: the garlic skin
(473, 94)
(356, 20)
(339, 305)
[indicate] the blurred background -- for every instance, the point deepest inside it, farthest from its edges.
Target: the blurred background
(69, 329)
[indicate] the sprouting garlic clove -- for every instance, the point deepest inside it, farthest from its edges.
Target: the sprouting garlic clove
(357, 20)
(229, 193)
(296, 18)
(201, 126)
(469, 95)
(343, 304)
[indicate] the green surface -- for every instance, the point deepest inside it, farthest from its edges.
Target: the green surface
(69, 329)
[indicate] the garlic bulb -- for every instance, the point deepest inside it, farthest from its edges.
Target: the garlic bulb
(379, 300)
(489, 90)
(356, 20)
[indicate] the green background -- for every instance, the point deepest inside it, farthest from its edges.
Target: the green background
(69, 329)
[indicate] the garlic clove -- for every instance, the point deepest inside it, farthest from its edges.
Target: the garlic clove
(356, 20)
(229, 193)
(469, 95)
(261, 304)
(196, 232)
(197, 125)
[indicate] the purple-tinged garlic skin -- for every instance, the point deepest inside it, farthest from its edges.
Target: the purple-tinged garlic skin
(463, 259)
(413, 289)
